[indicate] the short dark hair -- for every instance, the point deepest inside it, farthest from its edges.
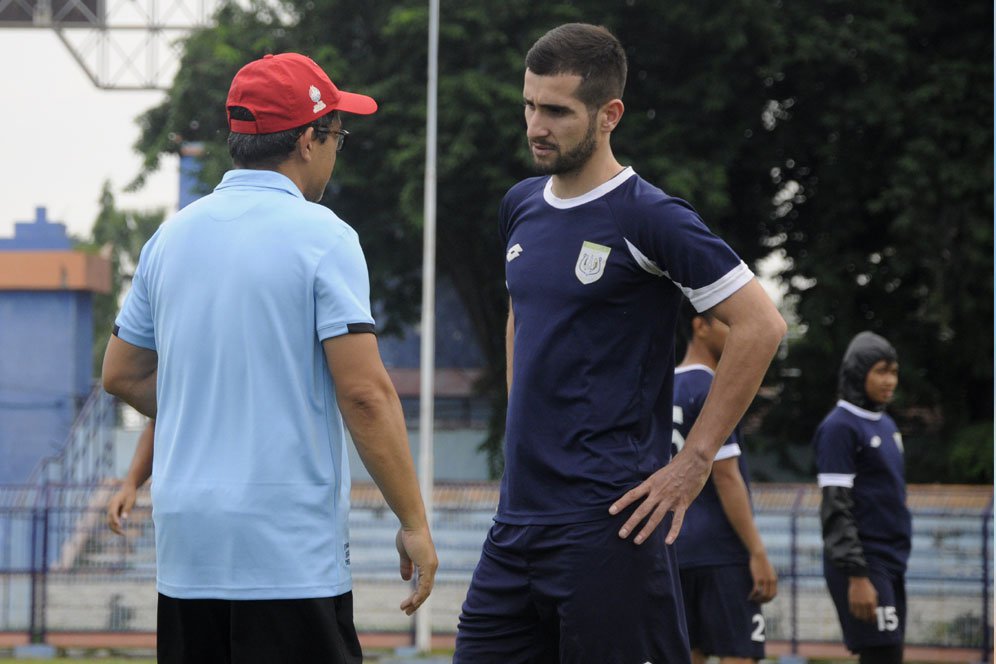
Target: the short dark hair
(270, 150)
(683, 330)
(589, 51)
(686, 313)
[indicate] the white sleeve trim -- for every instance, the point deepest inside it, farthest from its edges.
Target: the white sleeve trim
(728, 451)
(685, 368)
(835, 479)
(707, 297)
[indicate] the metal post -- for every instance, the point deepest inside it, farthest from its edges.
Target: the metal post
(427, 392)
(986, 634)
(34, 615)
(43, 577)
(794, 570)
(39, 567)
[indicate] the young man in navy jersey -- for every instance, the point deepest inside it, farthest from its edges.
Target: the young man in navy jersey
(575, 568)
(724, 567)
(866, 525)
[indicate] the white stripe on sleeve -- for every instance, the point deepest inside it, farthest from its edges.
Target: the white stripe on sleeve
(835, 479)
(707, 297)
(644, 262)
(728, 451)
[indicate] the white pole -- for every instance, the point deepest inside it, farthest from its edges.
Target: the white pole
(423, 618)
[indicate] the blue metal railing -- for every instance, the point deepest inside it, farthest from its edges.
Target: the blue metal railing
(54, 544)
(87, 457)
(85, 461)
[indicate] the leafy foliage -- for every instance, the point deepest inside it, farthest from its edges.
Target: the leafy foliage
(884, 129)
(120, 235)
(854, 139)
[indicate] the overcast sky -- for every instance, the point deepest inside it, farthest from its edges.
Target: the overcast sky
(61, 137)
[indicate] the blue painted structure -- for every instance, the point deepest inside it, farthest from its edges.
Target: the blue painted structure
(191, 187)
(37, 234)
(45, 356)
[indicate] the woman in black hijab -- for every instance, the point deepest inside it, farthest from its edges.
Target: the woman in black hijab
(866, 524)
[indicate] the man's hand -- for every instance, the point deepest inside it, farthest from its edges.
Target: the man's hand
(765, 579)
(139, 471)
(670, 489)
(862, 598)
(120, 507)
(418, 556)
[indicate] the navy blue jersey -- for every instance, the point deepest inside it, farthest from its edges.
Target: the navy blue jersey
(862, 450)
(595, 285)
(707, 537)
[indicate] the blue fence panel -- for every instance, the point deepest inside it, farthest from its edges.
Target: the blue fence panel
(62, 570)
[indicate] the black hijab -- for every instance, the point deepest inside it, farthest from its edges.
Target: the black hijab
(864, 351)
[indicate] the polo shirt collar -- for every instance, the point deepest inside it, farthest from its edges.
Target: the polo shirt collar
(245, 178)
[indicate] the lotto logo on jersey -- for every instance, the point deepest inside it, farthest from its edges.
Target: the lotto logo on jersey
(591, 262)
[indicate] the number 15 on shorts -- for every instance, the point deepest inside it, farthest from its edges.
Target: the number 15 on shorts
(887, 618)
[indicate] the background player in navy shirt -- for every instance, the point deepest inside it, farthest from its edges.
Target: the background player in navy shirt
(866, 525)
(597, 263)
(724, 567)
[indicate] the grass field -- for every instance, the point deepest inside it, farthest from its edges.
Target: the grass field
(77, 660)
(135, 660)
(117, 660)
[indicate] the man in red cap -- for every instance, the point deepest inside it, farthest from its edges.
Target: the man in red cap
(247, 335)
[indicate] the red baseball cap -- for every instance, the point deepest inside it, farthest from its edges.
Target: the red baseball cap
(286, 91)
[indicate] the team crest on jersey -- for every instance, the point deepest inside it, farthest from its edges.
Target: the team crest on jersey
(591, 262)
(875, 441)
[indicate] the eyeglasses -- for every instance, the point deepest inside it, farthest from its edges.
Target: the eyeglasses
(341, 135)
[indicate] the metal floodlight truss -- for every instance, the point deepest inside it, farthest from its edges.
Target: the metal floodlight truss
(120, 44)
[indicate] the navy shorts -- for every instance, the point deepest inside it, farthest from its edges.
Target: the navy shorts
(889, 627)
(221, 631)
(573, 594)
(722, 622)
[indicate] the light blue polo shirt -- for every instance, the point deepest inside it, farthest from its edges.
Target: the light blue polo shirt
(250, 480)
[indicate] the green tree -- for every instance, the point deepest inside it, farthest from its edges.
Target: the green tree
(119, 235)
(194, 110)
(882, 117)
(854, 138)
(382, 49)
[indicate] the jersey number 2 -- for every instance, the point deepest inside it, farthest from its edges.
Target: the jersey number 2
(758, 633)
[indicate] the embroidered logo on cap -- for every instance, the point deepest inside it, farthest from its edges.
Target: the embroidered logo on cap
(316, 96)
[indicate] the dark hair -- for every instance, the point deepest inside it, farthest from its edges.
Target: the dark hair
(269, 150)
(686, 314)
(589, 51)
(683, 329)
